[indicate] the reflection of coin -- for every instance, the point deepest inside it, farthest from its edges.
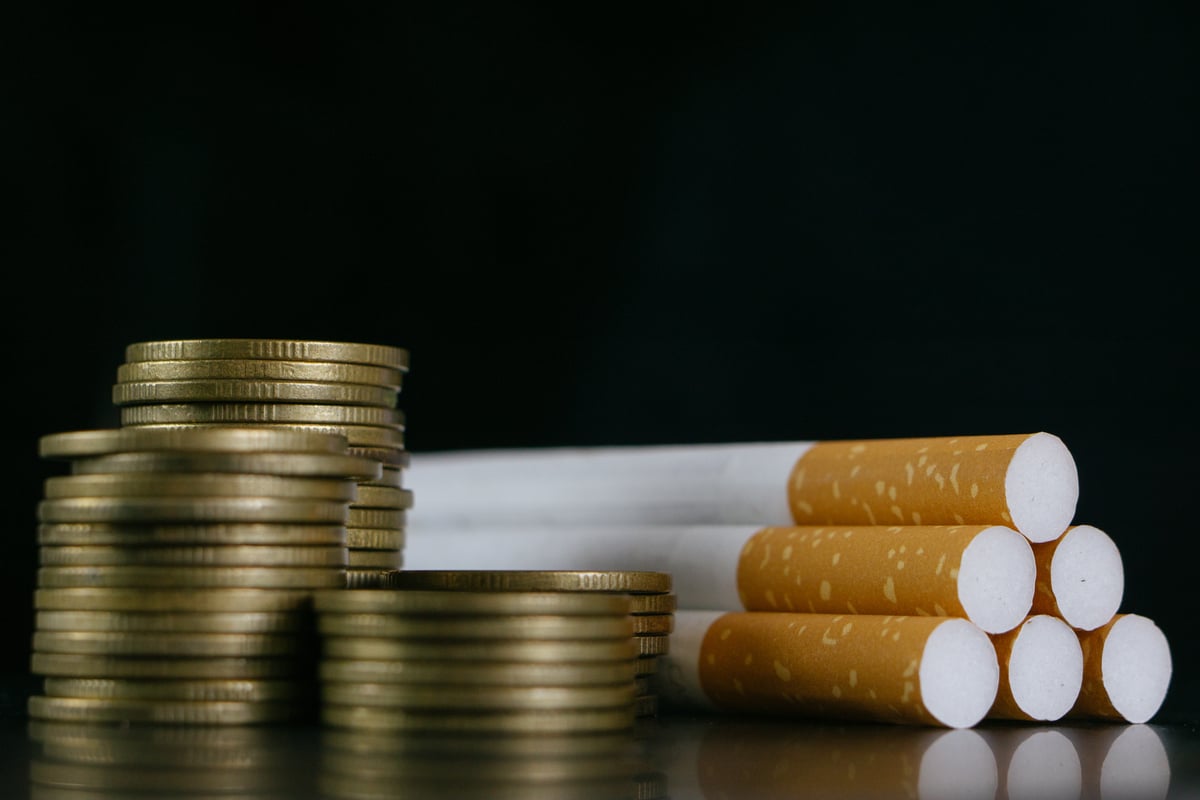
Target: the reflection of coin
(449, 767)
(199, 484)
(62, 780)
(375, 744)
(268, 369)
(172, 621)
(168, 599)
(109, 710)
(261, 413)
(248, 691)
(190, 509)
(334, 465)
(285, 349)
(224, 555)
(180, 645)
(476, 698)
(226, 438)
(493, 673)
(490, 626)
(82, 666)
(457, 603)
(524, 721)
(142, 535)
(153, 577)
(536, 580)
(483, 650)
(253, 391)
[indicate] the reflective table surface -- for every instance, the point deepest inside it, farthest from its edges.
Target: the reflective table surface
(669, 756)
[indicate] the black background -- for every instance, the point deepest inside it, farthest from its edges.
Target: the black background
(631, 223)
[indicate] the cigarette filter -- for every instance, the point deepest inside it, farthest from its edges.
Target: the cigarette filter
(939, 671)
(1080, 577)
(1026, 481)
(1041, 670)
(984, 573)
(1126, 670)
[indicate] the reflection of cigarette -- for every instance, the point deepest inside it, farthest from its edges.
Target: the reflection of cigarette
(1026, 481)
(1080, 577)
(1126, 670)
(919, 670)
(1041, 669)
(1121, 762)
(1035, 762)
(984, 573)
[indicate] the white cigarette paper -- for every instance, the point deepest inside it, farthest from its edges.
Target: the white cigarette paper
(1026, 481)
(937, 671)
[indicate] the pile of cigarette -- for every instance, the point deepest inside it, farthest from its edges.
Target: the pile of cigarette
(932, 581)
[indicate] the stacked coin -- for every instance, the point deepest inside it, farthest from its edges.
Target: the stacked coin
(177, 572)
(350, 389)
(652, 604)
(116, 762)
(476, 663)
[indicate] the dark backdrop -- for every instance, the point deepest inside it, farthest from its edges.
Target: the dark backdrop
(631, 223)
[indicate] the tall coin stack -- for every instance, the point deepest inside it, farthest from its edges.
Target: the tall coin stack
(347, 388)
(473, 694)
(652, 605)
(177, 572)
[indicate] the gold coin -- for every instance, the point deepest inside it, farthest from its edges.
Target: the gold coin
(393, 519)
(653, 645)
(270, 369)
(652, 603)
(216, 439)
(191, 509)
(284, 349)
(153, 577)
(494, 673)
(176, 645)
(476, 698)
(387, 456)
(489, 626)
(653, 624)
(375, 539)
(244, 391)
(79, 709)
(482, 650)
(222, 556)
(645, 665)
(524, 721)
(389, 475)
(262, 413)
(314, 465)
(366, 578)
(227, 691)
(67, 665)
(408, 601)
(644, 685)
(198, 484)
(231, 600)
(356, 435)
(536, 580)
(374, 559)
(174, 621)
(646, 705)
(133, 535)
(383, 497)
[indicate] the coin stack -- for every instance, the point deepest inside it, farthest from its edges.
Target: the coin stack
(347, 388)
(177, 572)
(118, 762)
(652, 605)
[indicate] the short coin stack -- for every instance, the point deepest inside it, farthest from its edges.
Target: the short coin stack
(177, 572)
(476, 693)
(652, 604)
(347, 388)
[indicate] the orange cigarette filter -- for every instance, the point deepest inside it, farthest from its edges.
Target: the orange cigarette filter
(984, 573)
(1026, 481)
(916, 670)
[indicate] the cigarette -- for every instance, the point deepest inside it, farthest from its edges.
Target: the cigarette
(983, 573)
(1041, 670)
(939, 671)
(1080, 577)
(1025, 481)
(1126, 670)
